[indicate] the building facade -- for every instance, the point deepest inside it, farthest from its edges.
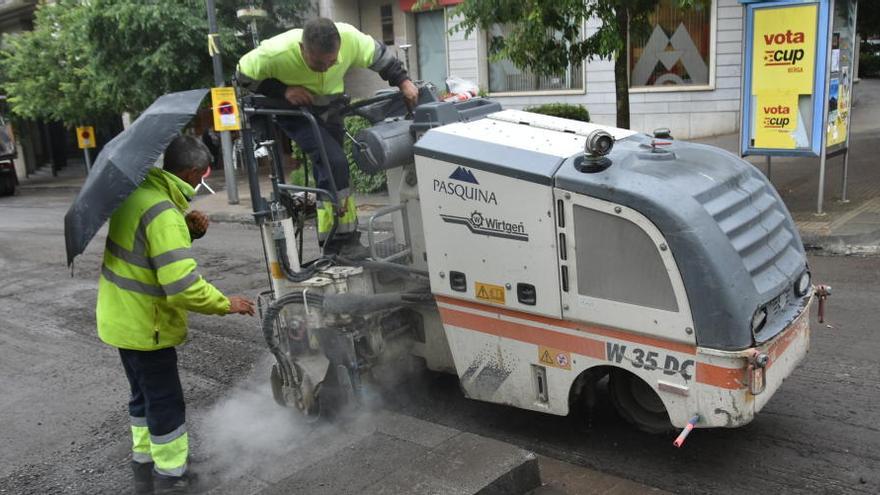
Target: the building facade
(685, 69)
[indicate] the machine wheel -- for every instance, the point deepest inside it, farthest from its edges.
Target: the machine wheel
(638, 403)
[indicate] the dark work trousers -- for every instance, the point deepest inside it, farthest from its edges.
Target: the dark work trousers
(298, 129)
(155, 389)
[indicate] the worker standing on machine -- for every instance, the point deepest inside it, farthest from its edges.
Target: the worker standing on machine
(306, 67)
(148, 284)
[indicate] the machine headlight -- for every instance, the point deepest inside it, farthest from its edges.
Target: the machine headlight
(802, 286)
(759, 319)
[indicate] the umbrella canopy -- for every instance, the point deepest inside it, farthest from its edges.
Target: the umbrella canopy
(123, 163)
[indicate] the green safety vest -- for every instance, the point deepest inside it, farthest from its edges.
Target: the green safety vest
(149, 280)
(281, 58)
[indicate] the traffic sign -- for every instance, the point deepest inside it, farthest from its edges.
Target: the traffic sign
(85, 137)
(226, 117)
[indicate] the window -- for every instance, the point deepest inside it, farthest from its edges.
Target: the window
(675, 49)
(618, 261)
(505, 77)
(431, 39)
(387, 18)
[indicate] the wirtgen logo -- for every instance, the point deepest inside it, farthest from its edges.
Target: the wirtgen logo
(784, 49)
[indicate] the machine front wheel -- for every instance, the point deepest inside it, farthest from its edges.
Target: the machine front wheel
(638, 403)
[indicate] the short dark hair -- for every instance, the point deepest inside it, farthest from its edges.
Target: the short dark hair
(320, 35)
(186, 153)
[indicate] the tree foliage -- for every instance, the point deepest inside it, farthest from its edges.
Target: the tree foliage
(545, 37)
(46, 73)
(85, 60)
(868, 19)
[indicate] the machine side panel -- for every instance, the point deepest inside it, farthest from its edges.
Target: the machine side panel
(490, 238)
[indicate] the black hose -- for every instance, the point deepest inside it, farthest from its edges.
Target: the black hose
(382, 265)
(268, 323)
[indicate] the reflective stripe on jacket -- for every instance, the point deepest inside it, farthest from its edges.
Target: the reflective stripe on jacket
(281, 58)
(148, 279)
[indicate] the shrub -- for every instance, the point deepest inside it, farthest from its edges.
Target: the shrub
(359, 181)
(564, 110)
(869, 64)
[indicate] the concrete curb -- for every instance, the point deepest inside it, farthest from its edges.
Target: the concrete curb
(858, 244)
(522, 479)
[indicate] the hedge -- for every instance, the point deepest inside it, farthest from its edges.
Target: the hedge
(564, 110)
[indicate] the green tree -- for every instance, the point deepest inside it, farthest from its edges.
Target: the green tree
(545, 37)
(89, 59)
(46, 73)
(868, 19)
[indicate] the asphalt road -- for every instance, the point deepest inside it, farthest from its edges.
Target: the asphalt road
(63, 421)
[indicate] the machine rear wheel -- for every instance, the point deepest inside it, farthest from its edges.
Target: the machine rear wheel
(638, 403)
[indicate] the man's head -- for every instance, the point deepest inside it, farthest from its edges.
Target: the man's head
(187, 158)
(320, 44)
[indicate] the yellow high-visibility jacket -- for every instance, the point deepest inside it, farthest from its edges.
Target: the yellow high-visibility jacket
(278, 62)
(149, 280)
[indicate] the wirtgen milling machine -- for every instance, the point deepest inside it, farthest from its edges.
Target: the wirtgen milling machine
(532, 256)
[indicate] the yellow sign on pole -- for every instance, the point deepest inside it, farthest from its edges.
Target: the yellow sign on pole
(85, 137)
(226, 116)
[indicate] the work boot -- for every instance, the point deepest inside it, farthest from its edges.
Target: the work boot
(188, 483)
(143, 477)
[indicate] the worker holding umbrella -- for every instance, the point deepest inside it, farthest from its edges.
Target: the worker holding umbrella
(149, 281)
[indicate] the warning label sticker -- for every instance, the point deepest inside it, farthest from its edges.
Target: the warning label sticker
(489, 292)
(554, 357)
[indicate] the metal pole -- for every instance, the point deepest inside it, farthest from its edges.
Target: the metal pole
(88, 160)
(853, 66)
(769, 169)
(824, 130)
(225, 139)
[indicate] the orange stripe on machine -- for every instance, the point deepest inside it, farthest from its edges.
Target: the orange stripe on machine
(709, 374)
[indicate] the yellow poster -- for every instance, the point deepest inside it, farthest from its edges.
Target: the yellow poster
(784, 49)
(225, 107)
(776, 120)
(838, 110)
(85, 137)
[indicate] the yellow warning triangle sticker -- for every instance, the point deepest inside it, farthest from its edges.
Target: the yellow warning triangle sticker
(545, 358)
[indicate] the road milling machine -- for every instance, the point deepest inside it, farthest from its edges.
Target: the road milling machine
(534, 256)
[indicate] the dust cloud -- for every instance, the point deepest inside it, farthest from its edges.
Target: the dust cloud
(246, 432)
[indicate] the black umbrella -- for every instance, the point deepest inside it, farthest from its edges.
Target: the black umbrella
(123, 163)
